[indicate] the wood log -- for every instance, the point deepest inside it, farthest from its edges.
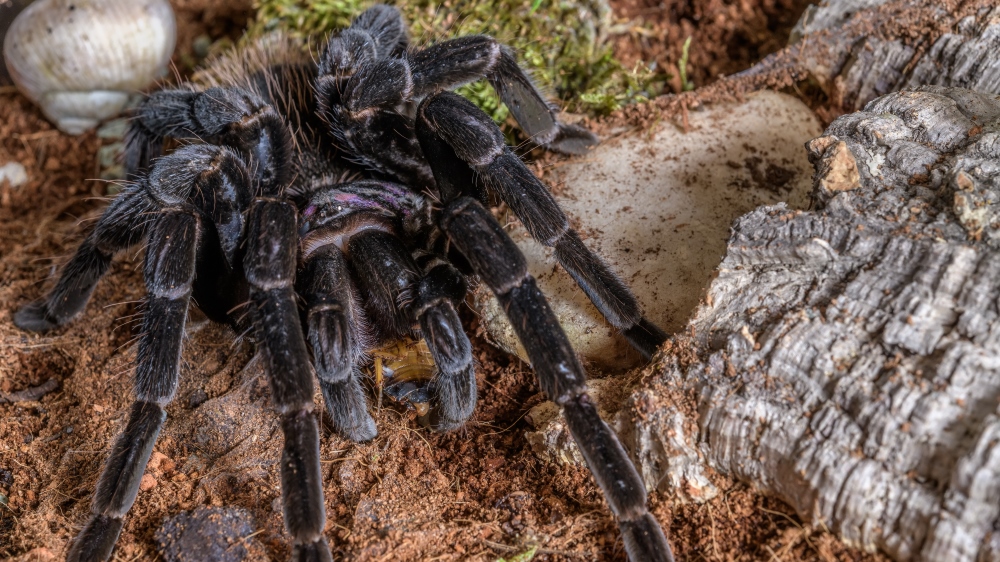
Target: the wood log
(857, 50)
(878, 47)
(847, 359)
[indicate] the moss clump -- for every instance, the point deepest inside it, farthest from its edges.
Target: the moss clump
(559, 42)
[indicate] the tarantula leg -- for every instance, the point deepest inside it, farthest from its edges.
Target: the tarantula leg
(269, 266)
(472, 142)
(397, 293)
(123, 224)
(361, 113)
(229, 116)
(385, 25)
(387, 275)
(455, 384)
(333, 320)
(449, 64)
(495, 257)
(169, 272)
(163, 114)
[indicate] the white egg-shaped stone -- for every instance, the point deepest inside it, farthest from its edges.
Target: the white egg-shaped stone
(657, 205)
(79, 60)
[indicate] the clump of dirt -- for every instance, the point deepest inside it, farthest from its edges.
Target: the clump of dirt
(475, 494)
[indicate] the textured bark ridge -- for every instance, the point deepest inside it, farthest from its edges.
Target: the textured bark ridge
(964, 52)
(847, 360)
(861, 49)
(857, 50)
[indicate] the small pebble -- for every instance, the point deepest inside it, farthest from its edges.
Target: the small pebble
(155, 460)
(108, 154)
(15, 173)
(201, 45)
(114, 129)
(213, 533)
(197, 398)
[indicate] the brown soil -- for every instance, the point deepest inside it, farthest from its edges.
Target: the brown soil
(476, 494)
(727, 36)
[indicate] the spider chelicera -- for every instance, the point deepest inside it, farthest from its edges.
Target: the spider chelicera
(354, 186)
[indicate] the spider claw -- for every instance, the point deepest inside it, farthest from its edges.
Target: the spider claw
(34, 317)
(573, 139)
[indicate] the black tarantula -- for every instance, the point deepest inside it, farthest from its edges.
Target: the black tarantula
(353, 186)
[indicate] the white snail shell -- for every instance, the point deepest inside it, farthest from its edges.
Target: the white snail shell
(79, 60)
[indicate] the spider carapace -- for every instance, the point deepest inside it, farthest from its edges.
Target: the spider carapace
(329, 204)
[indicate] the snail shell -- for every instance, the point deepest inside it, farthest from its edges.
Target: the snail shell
(79, 60)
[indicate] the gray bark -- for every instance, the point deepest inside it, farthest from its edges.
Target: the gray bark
(861, 49)
(847, 359)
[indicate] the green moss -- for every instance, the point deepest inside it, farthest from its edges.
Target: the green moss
(557, 41)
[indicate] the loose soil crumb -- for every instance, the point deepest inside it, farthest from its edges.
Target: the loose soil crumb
(475, 494)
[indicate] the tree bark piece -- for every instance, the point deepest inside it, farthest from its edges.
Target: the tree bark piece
(847, 360)
(857, 50)
(861, 49)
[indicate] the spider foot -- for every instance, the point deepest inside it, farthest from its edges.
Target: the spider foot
(317, 551)
(345, 401)
(34, 317)
(96, 540)
(644, 540)
(454, 400)
(645, 337)
(572, 139)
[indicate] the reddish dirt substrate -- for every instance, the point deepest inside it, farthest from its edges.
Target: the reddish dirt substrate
(476, 494)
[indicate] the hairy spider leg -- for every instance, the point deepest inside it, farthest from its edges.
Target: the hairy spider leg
(360, 89)
(169, 272)
(497, 260)
(336, 331)
(237, 118)
(270, 264)
(452, 63)
(384, 266)
(124, 223)
(440, 290)
(477, 142)
(231, 116)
